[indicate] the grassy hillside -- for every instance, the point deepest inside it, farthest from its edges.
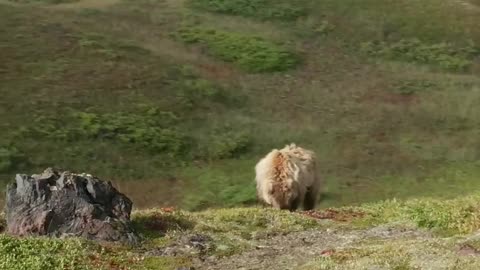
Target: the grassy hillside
(415, 234)
(176, 100)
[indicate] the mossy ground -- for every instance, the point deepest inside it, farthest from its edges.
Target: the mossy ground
(385, 235)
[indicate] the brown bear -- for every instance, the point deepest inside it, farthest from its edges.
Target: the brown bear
(287, 177)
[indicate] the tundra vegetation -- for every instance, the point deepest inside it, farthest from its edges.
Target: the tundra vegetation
(177, 100)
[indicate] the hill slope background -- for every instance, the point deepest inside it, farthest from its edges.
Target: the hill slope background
(176, 100)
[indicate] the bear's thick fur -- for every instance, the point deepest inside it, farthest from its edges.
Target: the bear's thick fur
(287, 178)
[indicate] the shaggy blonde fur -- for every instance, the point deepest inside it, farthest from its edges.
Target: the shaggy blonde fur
(287, 178)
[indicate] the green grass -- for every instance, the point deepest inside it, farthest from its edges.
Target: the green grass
(176, 101)
(43, 253)
(455, 216)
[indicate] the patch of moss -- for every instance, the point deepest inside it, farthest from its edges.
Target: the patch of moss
(39, 253)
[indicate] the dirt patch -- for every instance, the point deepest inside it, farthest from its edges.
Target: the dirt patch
(296, 249)
(198, 245)
(336, 215)
(468, 250)
(97, 4)
(161, 223)
(390, 98)
(216, 71)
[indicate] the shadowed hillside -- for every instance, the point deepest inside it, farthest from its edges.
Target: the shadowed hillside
(177, 100)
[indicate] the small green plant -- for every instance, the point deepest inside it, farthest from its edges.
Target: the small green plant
(250, 53)
(443, 55)
(258, 9)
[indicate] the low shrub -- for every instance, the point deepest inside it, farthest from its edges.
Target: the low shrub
(195, 93)
(250, 53)
(147, 128)
(153, 129)
(228, 145)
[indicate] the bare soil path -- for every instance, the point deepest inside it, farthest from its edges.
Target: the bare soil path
(294, 250)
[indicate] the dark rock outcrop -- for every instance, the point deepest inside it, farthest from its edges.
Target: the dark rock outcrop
(61, 204)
